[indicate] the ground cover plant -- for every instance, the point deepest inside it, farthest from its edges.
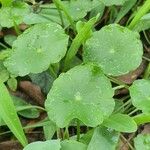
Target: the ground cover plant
(75, 75)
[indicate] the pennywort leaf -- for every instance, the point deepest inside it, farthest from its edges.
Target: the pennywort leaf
(48, 46)
(111, 53)
(56, 145)
(103, 138)
(121, 123)
(69, 99)
(47, 145)
(72, 145)
(140, 95)
(142, 142)
(15, 13)
(9, 115)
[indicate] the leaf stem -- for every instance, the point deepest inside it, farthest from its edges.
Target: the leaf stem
(78, 130)
(1, 44)
(125, 104)
(66, 134)
(52, 72)
(59, 6)
(143, 10)
(132, 112)
(147, 72)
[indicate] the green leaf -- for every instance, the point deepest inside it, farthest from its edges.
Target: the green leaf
(15, 13)
(9, 39)
(72, 145)
(79, 8)
(111, 46)
(9, 115)
(44, 80)
(49, 130)
(48, 46)
(125, 9)
(99, 9)
(80, 38)
(142, 142)
(27, 113)
(143, 24)
(6, 2)
(69, 99)
(113, 2)
(4, 74)
(142, 118)
(140, 94)
(121, 123)
(103, 139)
(47, 145)
(86, 138)
(12, 83)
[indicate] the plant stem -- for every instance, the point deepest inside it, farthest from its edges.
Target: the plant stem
(16, 27)
(59, 6)
(58, 133)
(146, 58)
(116, 81)
(52, 72)
(66, 134)
(143, 10)
(146, 37)
(147, 72)
(132, 112)
(60, 13)
(118, 87)
(21, 108)
(131, 147)
(125, 104)
(1, 44)
(78, 130)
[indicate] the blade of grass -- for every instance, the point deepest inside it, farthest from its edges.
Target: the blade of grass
(142, 11)
(78, 40)
(9, 115)
(59, 5)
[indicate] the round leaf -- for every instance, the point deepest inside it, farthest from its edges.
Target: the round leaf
(37, 48)
(47, 145)
(74, 93)
(14, 13)
(140, 94)
(116, 49)
(72, 145)
(121, 123)
(142, 142)
(103, 139)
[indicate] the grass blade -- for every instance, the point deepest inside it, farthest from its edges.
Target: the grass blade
(9, 115)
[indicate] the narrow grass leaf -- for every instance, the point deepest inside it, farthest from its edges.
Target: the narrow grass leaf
(9, 115)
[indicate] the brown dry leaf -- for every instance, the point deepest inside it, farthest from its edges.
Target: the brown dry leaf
(33, 91)
(146, 129)
(10, 145)
(123, 145)
(133, 75)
